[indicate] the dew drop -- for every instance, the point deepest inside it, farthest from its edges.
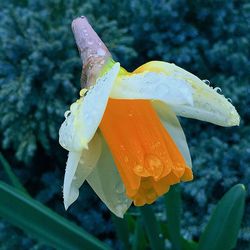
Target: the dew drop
(218, 90)
(154, 165)
(90, 43)
(83, 92)
(179, 169)
(67, 113)
(206, 81)
(138, 169)
(101, 52)
(82, 17)
(230, 100)
(120, 188)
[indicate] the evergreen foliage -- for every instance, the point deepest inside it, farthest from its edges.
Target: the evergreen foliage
(39, 77)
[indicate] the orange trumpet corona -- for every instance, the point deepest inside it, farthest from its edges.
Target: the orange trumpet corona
(146, 156)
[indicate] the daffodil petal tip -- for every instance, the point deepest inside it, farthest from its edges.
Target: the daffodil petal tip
(208, 104)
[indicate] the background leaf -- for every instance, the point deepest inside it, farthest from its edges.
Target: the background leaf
(173, 209)
(222, 230)
(152, 228)
(42, 223)
(139, 240)
(122, 230)
(11, 175)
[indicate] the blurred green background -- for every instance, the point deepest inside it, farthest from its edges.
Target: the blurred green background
(39, 77)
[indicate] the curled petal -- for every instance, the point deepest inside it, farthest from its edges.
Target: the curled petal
(152, 86)
(79, 166)
(106, 182)
(172, 125)
(86, 113)
(208, 105)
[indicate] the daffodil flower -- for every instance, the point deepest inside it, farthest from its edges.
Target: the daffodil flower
(124, 138)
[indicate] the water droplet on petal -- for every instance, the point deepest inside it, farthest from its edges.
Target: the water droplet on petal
(206, 81)
(178, 169)
(138, 169)
(67, 113)
(154, 165)
(120, 188)
(230, 100)
(83, 92)
(218, 90)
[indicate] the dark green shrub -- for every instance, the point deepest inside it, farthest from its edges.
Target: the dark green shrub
(39, 77)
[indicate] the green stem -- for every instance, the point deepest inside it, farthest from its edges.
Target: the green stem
(173, 208)
(152, 228)
(122, 230)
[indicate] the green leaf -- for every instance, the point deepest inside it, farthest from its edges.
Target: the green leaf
(43, 223)
(10, 174)
(152, 228)
(173, 208)
(223, 227)
(122, 230)
(139, 241)
(188, 244)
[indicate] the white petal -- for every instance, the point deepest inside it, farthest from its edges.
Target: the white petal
(154, 86)
(173, 126)
(86, 113)
(79, 166)
(208, 105)
(106, 182)
(71, 165)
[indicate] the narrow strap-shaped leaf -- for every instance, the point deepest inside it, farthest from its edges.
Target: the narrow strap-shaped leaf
(44, 224)
(173, 208)
(152, 228)
(122, 230)
(223, 226)
(139, 241)
(10, 174)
